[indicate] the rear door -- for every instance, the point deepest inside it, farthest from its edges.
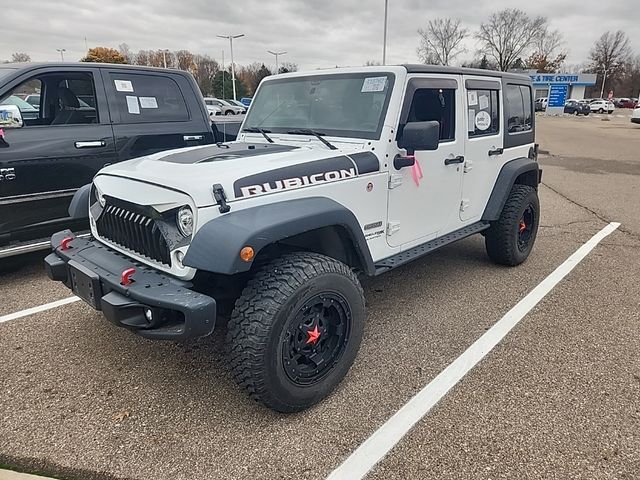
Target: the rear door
(484, 144)
(154, 111)
(61, 146)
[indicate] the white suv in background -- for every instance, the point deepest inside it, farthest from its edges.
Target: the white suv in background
(601, 106)
(635, 116)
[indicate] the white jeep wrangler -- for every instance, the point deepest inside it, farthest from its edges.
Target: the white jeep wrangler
(335, 174)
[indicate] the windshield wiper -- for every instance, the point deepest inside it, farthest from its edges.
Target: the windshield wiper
(318, 135)
(259, 130)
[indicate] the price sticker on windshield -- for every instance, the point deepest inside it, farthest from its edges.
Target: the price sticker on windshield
(374, 84)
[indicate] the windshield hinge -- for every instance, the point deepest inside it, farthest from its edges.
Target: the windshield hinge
(395, 180)
(468, 166)
(392, 227)
(464, 204)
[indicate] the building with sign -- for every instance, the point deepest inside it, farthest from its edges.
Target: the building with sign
(575, 82)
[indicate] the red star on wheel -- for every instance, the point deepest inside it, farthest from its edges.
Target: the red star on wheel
(314, 335)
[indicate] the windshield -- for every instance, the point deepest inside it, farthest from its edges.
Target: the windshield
(341, 105)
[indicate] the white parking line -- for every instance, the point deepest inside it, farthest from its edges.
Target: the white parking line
(40, 308)
(367, 455)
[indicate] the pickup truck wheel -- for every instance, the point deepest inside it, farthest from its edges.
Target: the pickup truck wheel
(510, 240)
(295, 330)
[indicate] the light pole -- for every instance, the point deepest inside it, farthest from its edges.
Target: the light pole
(384, 39)
(604, 79)
(164, 57)
(61, 50)
(233, 66)
(276, 55)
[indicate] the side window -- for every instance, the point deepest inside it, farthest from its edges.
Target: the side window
(484, 112)
(435, 104)
(56, 99)
(518, 106)
(148, 98)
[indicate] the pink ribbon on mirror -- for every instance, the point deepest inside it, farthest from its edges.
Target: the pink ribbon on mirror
(416, 172)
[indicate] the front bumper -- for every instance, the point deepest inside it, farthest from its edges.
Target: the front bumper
(93, 272)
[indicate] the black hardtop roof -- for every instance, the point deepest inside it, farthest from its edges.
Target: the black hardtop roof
(418, 68)
(34, 65)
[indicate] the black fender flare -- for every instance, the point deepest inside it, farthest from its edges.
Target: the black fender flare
(79, 206)
(506, 179)
(216, 245)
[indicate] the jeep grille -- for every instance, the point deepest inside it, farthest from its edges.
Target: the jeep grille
(133, 231)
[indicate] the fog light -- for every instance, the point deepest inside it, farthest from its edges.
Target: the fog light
(148, 314)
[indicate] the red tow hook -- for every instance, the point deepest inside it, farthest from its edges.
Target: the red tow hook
(125, 276)
(64, 243)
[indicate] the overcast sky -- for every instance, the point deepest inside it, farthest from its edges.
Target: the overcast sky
(315, 34)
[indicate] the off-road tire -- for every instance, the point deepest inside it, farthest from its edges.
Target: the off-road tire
(502, 238)
(264, 316)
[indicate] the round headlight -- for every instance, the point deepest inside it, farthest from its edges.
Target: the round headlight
(99, 196)
(185, 221)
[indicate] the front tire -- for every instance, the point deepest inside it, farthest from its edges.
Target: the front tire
(295, 330)
(509, 241)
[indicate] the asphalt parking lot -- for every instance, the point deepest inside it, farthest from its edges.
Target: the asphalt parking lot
(557, 398)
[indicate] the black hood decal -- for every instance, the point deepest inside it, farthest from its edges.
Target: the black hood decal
(225, 151)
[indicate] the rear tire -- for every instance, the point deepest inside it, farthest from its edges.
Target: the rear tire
(295, 330)
(509, 241)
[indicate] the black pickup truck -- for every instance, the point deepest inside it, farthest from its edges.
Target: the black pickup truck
(62, 122)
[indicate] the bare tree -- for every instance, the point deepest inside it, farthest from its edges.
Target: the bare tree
(441, 41)
(205, 72)
(126, 52)
(19, 57)
(547, 56)
(508, 35)
(185, 60)
(611, 52)
(287, 67)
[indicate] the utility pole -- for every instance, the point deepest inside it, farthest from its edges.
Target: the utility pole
(384, 39)
(604, 79)
(61, 50)
(276, 55)
(233, 66)
(223, 72)
(164, 57)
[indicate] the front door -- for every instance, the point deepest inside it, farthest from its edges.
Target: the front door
(62, 145)
(484, 149)
(424, 199)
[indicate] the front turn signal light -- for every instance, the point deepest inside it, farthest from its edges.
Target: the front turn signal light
(247, 254)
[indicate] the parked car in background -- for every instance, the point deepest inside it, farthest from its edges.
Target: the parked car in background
(246, 101)
(213, 110)
(33, 99)
(635, 116)
(237, 103)
(574, 107)
(226, 108)
(602, 106)
(91, 115)
(627, 103)
(541, 104)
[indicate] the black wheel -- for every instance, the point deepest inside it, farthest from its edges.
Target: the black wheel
(295, 330)
(509, 240)
(601, 110)
(229, 112)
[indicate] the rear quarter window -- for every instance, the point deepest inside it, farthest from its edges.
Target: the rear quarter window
(518, 108)
(143, 98)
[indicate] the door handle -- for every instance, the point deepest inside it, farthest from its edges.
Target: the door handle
(91, 144)
(188, 138)
(497, 151)
(450, 161)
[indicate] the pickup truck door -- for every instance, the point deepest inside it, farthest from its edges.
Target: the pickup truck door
(421, 208)
(60, 148)
(154, 111)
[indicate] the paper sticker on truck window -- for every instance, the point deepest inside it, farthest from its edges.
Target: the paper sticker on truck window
(132, 105)
(483, 120)
(471, 125)
(374, 84)
(148, 102)
(472, 98)
(123, 85)
(484, 102)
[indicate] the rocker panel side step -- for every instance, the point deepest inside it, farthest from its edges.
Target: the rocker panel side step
(428, 247)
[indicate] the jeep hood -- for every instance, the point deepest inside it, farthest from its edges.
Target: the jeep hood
(243, 169)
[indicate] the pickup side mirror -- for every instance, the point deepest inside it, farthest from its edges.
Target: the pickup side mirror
(10, 117)
(420, 136)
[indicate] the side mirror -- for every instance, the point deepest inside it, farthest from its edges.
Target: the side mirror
(10, 117)
(420, 136)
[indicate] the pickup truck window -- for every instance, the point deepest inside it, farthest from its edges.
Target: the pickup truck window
(148, 98)
(65, 99)
(435, 104)
(483, 101)
(518, 108)
(345, 105)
